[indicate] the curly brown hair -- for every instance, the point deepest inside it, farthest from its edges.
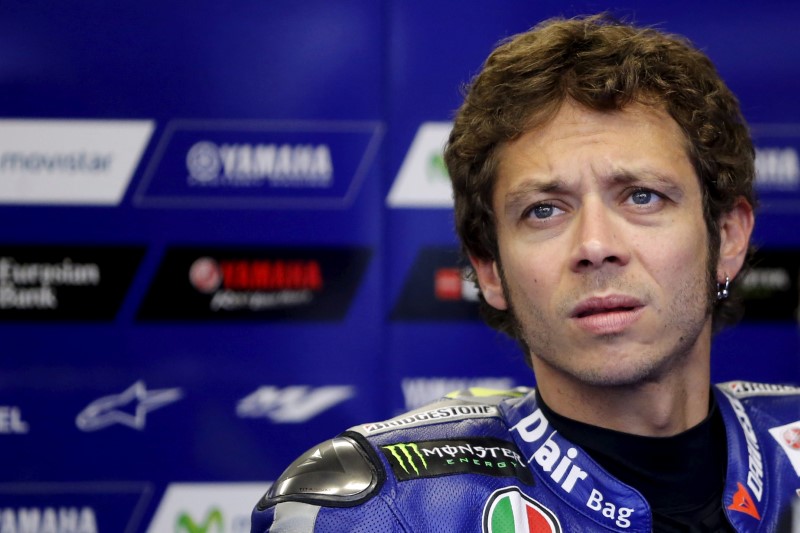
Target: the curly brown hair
(604, 65)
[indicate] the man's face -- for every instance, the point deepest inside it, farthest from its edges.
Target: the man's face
(602, 244)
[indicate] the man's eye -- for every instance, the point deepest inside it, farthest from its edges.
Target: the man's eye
(543, 211)
(643, 197)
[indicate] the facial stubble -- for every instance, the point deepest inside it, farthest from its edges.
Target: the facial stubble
(686, 317)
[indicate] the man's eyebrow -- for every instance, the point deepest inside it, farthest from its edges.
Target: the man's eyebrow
(645, 177)
(517, 197)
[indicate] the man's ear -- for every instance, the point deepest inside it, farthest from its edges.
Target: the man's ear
(735, 228)
(490, 282)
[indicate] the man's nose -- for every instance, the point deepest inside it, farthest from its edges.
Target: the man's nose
(598, 239)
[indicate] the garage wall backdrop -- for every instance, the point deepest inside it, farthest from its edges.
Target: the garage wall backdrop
(225, 235)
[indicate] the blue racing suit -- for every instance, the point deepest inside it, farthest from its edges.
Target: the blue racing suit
(489, 461)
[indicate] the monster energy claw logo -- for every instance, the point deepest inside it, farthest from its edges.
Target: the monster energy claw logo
(185, 523)
(471, 455)
(402, 453)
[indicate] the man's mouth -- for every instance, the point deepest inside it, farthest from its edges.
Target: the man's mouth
(605, 304)
(607, 314)
(599, 310)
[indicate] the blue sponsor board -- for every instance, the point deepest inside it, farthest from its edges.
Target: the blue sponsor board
(74, 507)
(258, 164)
(255, 293)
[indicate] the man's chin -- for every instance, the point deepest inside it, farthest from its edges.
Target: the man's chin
(622, 374)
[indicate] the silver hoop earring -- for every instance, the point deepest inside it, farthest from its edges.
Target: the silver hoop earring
(724, 291)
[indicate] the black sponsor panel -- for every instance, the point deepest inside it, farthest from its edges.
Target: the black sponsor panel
(65, 282)
(435, 289)
(434, 458)
(255, 283)
(770, 288)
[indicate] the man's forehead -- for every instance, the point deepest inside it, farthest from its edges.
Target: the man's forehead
(640, 144)
(579, 125)
(574, 114)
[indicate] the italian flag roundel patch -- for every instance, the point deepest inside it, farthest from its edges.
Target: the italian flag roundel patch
(510, 511)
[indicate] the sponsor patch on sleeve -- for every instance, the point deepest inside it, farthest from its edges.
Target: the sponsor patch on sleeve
(509, 509)
(747, 389)
(788, 437)
(434, 458)
(444, 413)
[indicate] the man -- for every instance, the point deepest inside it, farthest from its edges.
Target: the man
(602, 177)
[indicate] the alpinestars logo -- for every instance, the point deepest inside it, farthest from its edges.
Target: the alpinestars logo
(110, 410)
(510, 511)
(292, 405)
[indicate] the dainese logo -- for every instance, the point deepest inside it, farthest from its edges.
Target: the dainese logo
(742, 502)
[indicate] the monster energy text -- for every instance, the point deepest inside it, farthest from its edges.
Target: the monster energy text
(493, 457)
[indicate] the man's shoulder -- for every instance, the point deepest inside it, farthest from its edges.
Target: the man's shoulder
(765, 404)
(347, 470)
(746, 390)
(467, 404)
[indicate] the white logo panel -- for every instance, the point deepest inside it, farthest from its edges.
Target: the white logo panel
(69, 162)
(788, 437)
(207, 507)
(423, 180)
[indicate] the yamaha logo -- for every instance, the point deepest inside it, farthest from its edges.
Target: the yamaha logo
(203, 162)
(205, 275)
(255, 165)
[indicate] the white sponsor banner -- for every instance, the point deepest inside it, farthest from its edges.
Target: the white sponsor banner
(423, 180)
(69, 162)
(207, 507)
(788, 437)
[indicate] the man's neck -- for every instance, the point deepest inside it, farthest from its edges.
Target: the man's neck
(656, 408)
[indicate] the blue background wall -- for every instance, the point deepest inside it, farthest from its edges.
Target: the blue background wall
(135, 381)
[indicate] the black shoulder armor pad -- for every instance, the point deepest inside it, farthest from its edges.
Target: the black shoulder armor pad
(341, 472)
